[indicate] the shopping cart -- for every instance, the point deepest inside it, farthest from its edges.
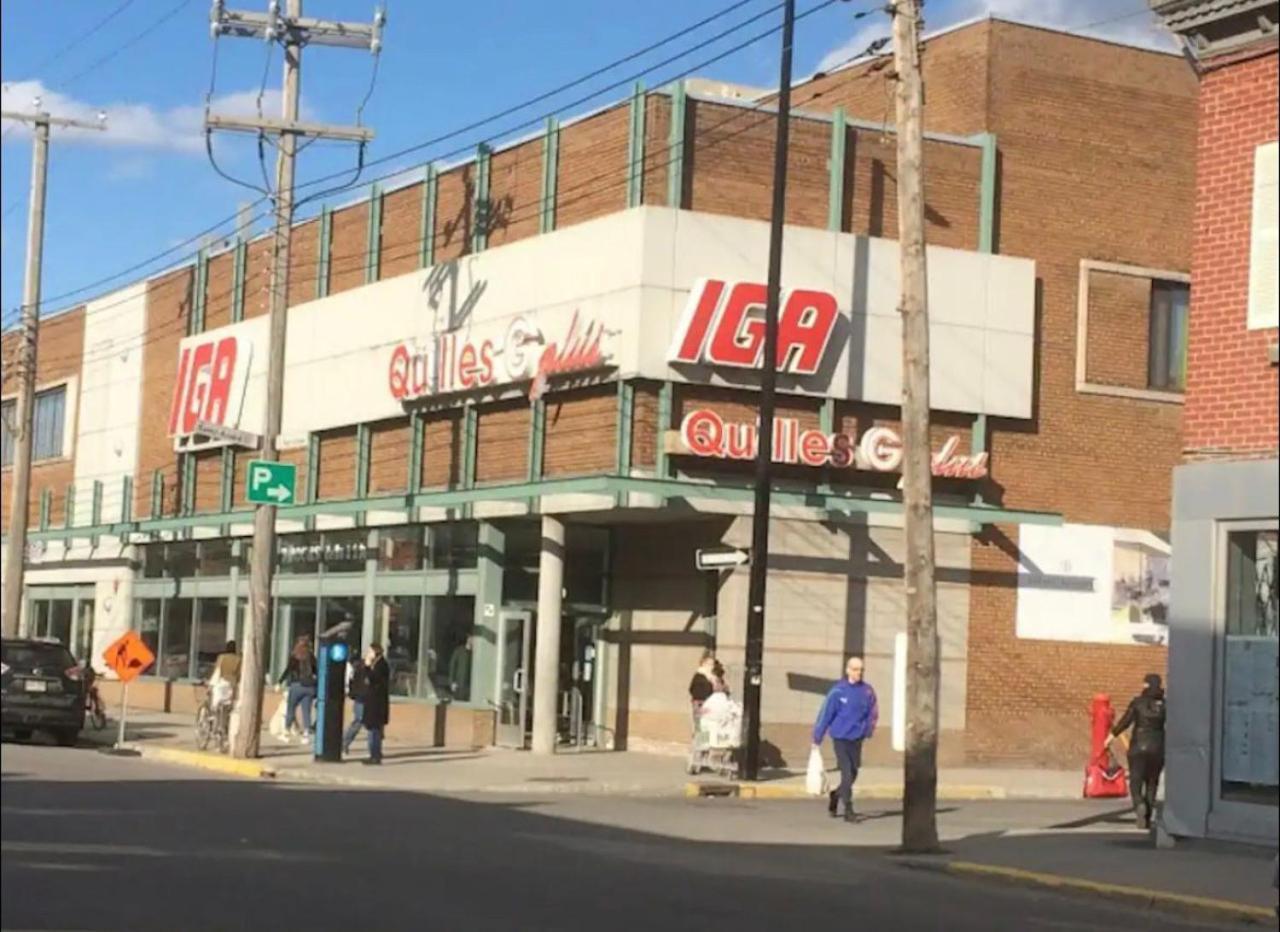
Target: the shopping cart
(717, 739)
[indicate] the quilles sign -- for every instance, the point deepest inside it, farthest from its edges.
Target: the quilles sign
(705, 433)
(521, 351)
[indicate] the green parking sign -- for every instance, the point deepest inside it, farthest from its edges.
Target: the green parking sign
(269, 483)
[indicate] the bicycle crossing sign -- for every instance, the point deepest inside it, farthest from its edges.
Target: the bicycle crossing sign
(270, 483)
(129, 656)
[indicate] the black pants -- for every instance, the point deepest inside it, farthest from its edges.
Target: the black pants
(1145, 766)
(849, 757)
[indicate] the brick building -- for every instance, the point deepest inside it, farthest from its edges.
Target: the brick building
(558, 336)
(1223, 775)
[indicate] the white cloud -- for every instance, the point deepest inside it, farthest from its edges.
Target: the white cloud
(132, 125)
(1132, 22)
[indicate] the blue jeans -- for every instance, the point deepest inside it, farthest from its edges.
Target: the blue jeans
(299, 695)
(357, 712)
(375, 744)
(849, 757)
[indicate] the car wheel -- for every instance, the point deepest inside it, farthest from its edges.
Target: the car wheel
(67, 737)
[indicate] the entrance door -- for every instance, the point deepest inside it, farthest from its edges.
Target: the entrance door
(515, 647)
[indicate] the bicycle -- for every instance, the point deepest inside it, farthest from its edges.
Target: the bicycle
(97, 711)
(212, 724)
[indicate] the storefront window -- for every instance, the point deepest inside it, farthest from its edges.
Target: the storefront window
(211, 635)
(449, 650)
(300, 553)
(400, 549)
(153, 561)
(175, 646)
(182, 559)
(147, 624)
(296, 617)
(399, 626)
(340, 610)
(452, 546)
(1251, 671)
(216, 558)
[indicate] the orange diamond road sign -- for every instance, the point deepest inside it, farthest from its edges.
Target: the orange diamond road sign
(128, 656)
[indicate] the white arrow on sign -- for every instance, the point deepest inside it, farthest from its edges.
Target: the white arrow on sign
(721, 558)
(280, 493)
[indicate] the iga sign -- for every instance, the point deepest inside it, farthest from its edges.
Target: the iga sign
(210, 386)
(453, 363)
(705, 433)
(723, 324)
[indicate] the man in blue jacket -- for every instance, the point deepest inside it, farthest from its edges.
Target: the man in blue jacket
(849, 713)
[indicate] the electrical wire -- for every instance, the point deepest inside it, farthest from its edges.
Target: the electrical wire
(127, 44)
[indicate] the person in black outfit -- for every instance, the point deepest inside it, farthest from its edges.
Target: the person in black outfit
(357, 688)
(1146, 715)
(377, 700)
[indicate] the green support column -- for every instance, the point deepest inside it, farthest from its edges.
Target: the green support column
(480, 214)
(675, 148)
(827, 424)
(427, 223)
(416, 435)
(364, 442)
(470, 425)
(157, 494)
(46, 506)
(550, 169)
(95, 509)
(978, 444)
(188, 484)
(373, 238)
(240, 261)
(622, 438)
(988, 195)
(195, 323)
(226, 479)
(635, 148)
(537, 437)
(835, 168)
(488, 608)
(325, 236)
(69, 510)
(126, 500)
(666, 402)
(313, 476)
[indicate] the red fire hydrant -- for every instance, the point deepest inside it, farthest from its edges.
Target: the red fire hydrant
(1103, 776)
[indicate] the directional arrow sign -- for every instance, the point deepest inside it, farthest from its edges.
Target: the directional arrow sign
(270, 483)
(721, 558)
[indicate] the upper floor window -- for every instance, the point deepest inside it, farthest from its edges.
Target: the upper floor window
(49, 423)
(1167, 336)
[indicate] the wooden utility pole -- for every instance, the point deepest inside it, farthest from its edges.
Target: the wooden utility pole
(920, 764)
(754, 674)
(23, 426)
(292, 31)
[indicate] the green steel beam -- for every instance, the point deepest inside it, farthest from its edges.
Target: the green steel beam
(69, 510)
(665, 489)
(417, 434)
(373, 236)
(323, 247)
(537, 438)
(226, 478)
(635, 148)
(662, 462)
(239, 261)
(364, 443)
(827, 424)
(157, 494)
(622, 441)
(95, 509)
(427, 223)
(550, 171)
(988, 195)
(481, 208)
(199, 291)
(675, 147)
(126, 501)
(188, 484)
(835, 169)
(46, 506)
(978, 444)
(470, 424)
(313, 474)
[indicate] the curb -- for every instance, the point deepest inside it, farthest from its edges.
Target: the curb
(954, 793)
(1143, 897)
(249, 769)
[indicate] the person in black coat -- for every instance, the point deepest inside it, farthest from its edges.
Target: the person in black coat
(1146, 715)
(377, 700)
(357, 687)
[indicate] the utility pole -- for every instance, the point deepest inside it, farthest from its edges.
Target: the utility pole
(920, 763)
(294, 32)
(21, 429)
(754, 673)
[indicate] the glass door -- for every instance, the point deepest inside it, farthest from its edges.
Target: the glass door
(515, 648)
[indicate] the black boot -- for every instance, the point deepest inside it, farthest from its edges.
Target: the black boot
(832, 803)
(851, 817)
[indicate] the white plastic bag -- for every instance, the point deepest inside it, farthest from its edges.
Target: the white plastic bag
(815, 778)
(276, 726)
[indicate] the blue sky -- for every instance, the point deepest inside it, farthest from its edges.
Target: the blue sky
(145, 185)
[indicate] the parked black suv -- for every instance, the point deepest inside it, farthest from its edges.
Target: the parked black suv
(40, 687)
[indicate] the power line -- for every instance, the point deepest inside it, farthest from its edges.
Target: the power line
(127, 44)
(88, 33)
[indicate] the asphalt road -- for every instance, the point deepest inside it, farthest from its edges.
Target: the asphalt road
(91, 842)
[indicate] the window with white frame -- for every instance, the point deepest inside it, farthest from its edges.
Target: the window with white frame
(49, 425)
(1264, 239)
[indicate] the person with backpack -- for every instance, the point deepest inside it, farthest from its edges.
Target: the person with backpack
(300, 675)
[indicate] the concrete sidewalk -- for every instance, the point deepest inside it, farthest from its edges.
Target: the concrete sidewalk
(410, 766)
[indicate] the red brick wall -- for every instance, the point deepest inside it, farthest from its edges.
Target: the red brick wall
(1231, 386)
(389, 445)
